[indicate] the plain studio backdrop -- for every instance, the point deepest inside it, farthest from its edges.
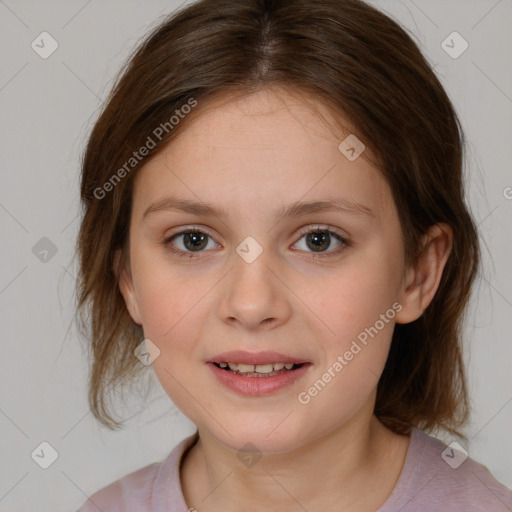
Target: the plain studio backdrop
(48, 106)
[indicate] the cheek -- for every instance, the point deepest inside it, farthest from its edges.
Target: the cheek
(167, 294)
(171, 315)
(359, 309)
(355, 300)
(173, 312)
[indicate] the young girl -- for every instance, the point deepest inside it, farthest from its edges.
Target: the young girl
(274, 220)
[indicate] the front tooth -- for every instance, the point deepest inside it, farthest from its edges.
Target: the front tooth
(278, 366)
(288, 366)
(233, 366)
(264, 368)
(244, 367)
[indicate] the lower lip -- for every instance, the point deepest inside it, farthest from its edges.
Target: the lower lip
(258, 385)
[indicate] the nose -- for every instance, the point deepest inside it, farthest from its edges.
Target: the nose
(255, 296)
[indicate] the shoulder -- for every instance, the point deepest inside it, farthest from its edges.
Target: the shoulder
(440, 477)
(134, 488)
(136, 491)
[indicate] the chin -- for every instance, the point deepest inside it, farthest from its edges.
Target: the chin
(262, 435)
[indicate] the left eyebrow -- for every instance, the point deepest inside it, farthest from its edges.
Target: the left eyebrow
(295, 209)
(340, 204)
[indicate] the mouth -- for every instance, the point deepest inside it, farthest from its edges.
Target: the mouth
(257, 373)
(258, 370)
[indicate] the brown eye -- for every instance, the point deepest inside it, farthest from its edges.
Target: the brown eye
(195, 241)
(185, 243)
(319, 240)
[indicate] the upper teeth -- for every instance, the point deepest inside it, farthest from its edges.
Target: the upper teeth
(258, 368)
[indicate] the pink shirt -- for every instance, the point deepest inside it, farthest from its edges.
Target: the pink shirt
(427, 483)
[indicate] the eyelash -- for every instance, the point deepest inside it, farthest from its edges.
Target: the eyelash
(317, 229)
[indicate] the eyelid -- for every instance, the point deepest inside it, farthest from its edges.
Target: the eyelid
(344, 240)
(323, 227)
(302, 231)
(187, 229)
(310, 228)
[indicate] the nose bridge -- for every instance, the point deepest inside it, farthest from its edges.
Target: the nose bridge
(251, 279)
(253, 295)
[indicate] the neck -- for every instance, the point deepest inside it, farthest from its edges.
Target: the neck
(354, 467)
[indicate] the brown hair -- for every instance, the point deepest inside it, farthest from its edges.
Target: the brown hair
(358, 62)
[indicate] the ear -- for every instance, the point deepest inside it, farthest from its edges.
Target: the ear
(421, 282)
(126, 287)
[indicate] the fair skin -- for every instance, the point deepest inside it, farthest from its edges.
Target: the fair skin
(252, 156)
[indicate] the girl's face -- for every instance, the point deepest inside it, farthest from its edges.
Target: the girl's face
(253, 280)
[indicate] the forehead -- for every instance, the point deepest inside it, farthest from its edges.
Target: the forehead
(268, 120)
(266, 147)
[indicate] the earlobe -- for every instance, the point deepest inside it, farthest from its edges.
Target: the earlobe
(126, 288)
(421, 282)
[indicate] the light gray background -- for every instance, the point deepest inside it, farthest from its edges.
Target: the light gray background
(47, 108)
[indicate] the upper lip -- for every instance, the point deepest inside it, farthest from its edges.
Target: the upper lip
(265, 357)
